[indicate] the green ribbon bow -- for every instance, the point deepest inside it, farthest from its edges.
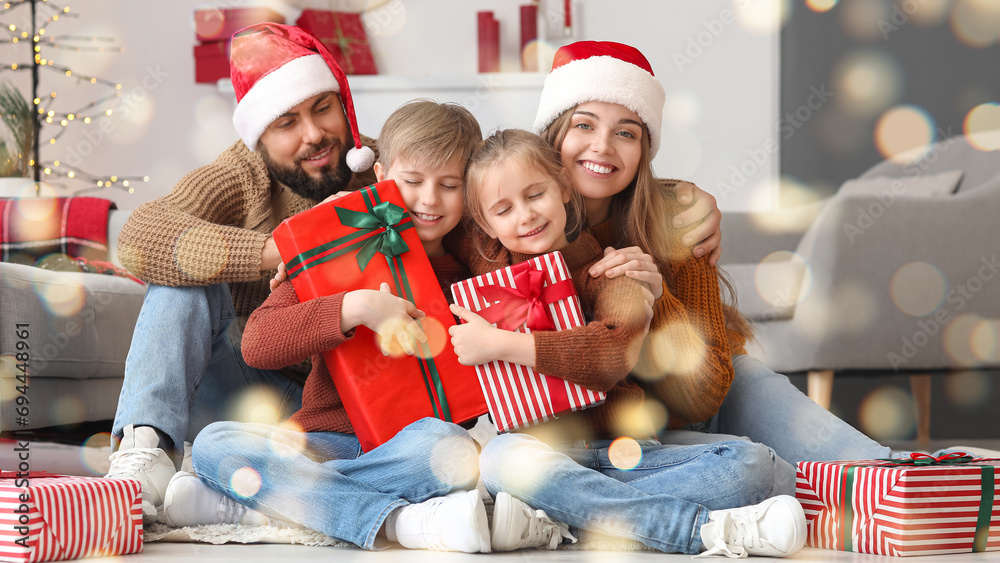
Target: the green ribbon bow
(386, 216)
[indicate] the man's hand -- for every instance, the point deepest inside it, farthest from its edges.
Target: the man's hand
(334, 196)
(703, 212)
(632, 262)
(269, 256)
(392, 318)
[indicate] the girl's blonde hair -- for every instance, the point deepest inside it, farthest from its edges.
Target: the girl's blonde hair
(528, 151)
(640, 213)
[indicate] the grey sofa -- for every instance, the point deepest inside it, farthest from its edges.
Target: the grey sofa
(79, 332)
(904, 282)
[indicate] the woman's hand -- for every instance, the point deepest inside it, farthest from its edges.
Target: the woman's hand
(703, 213)
(631, 262)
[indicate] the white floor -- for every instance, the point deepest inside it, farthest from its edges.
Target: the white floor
(73, 460)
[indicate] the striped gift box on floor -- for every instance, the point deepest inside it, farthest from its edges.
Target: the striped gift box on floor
(59, 517)
(516, 395)
(876, 507)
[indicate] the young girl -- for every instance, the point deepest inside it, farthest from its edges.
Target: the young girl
(671, 498)
(601, 109)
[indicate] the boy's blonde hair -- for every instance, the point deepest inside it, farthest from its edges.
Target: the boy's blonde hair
(527, 150)
(429, 132)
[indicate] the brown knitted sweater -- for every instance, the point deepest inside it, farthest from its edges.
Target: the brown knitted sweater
(212, 226)
(598, 355)
(686, 358)
(284, 331)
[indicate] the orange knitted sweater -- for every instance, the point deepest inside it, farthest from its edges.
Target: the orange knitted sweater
(686, 357)
(598, 355)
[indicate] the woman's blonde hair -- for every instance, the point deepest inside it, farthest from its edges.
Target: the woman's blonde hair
(641, 218)
(529, 151)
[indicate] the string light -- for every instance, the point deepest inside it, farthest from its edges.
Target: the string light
(85, 114)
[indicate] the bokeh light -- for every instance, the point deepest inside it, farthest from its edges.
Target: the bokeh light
(975, 22)
(211, 23)
(968, 389)
(246, 482)
(821, 6)
(63, 298)
(258, 404)
(454, 461)
(924, 13)
(762, 16)
(683, 151)
(136, 118)
(985, 341)
(625, 453)
(213, 131)
(783, 278)
(66, 409)
(982, 127)
(866, 81)
(887, 414)
(860, 19)
(37, 220)
(95, 452)
(904, 133)
(917, 288)
(437, 337)
(192, 247)
(682, 108)
(291, 443)
(668, 350)
(384, 18)
(540, 53)
(958, 338)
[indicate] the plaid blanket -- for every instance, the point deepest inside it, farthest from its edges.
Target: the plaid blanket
(34, 227)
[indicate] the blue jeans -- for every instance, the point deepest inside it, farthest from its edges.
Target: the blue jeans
(662, 502)
(765, 407)
(184, 369)
(321, 480)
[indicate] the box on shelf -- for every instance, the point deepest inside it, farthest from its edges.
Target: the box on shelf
(215, 24)
(895, 507)
(344, 35)
(359, 241)
(517, 396)
(49, 517)
(211, 62)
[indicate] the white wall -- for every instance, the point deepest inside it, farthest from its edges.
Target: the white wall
(720, 72)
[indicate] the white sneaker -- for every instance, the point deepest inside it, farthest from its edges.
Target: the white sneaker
(773, 528)
(455, 522)
(139, 457)
(517, 526)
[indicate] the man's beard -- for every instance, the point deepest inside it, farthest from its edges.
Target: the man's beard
(335, 177)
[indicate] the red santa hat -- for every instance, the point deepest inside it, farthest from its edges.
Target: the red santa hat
(274, 68)
(602, 71)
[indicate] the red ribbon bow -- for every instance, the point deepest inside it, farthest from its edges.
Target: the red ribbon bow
(526, 302)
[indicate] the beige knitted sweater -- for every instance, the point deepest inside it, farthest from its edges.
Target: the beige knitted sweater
(211, 228)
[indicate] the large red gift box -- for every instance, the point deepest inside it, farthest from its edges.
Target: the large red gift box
(895, 507)
(211, 62)
(215, 24)
(359, 241)
(343, 33)
(537, 294)
(47, 517)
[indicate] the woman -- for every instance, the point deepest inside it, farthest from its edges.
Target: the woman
(594, 94)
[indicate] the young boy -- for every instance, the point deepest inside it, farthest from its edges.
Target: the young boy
(310, 471)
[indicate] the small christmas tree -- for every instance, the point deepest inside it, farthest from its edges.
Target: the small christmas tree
(41, 107)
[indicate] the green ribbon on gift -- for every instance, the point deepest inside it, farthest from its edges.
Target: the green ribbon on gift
(917, 459)
(385, 219)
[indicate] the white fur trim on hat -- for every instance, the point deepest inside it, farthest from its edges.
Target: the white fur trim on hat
(279, 91)
(603, 79)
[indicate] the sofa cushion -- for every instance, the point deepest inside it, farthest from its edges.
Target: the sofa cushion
(31, 228)
(934, 185)
(80, 325)
(769, 290)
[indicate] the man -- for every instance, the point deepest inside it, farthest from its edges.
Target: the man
(206, 252)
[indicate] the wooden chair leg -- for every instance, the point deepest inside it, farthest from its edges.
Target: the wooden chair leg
(920, 386)
(820, 387)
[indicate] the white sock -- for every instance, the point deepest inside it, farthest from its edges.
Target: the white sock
(390, 524)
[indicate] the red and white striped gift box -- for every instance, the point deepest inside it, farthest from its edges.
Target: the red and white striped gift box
(57, 517)
(883, 508)
(516, 395)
